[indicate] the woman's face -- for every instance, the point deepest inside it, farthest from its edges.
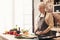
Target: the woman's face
(42, 9)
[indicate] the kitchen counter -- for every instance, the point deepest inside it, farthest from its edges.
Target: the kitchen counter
(11, 37)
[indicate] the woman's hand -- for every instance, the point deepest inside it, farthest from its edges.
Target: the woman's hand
(39, 32)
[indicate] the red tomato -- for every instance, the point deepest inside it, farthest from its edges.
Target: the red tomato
(11, 32)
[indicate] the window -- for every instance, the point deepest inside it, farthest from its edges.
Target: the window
(6, 15)
(15, 12)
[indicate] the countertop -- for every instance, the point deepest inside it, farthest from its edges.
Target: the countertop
(12, 37)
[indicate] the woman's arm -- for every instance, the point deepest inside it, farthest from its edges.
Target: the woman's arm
(49, 21)
(56, 16)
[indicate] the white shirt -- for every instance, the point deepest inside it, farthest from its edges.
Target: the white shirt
(37, 19)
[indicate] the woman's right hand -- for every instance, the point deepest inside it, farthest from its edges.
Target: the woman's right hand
(39, 32)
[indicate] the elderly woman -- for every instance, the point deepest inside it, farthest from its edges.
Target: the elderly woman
(45, 23)
(48, 18)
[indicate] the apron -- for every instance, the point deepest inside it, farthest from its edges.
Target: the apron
(42, 25)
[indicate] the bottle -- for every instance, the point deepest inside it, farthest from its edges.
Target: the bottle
(18, 30)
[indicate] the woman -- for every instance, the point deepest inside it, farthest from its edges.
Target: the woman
(49, 8)
(44, 27)
(48, 19)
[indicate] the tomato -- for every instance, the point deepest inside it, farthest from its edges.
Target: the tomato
(11, 32)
